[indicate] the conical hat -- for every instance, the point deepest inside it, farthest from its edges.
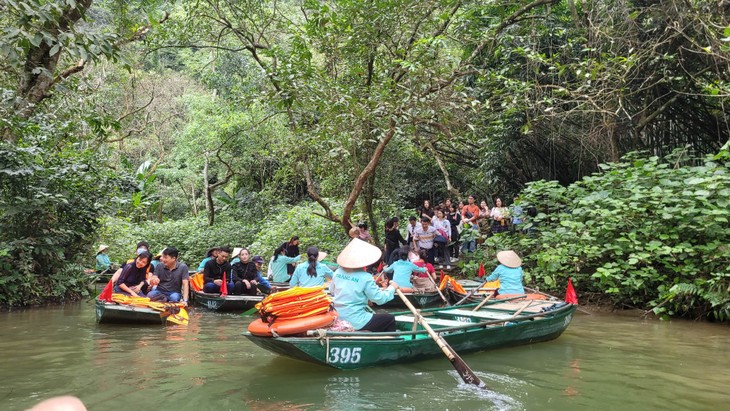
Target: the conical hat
(236, 251)
(321, 256)
(102, 248)
(358, 254)
(509, 258)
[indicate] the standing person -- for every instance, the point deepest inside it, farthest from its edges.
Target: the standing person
(454, 218)
(103, 262)
(132, 280)
(172, 278)
(393, 239)
(215, 270)
(470, 215)
(353, 287)
(311, 273)
(425, 234)
(402, 269)
(411, 227)
(291, 249)
(516, 213)
(279, 264)
(364, 233)
(508, 272)
(484, 215)
(425, 211)
(442, 239)
(499, 217)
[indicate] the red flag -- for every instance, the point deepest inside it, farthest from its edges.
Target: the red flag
(380, 267)
(106, 294)
(570, 296)
(481, 272)
(224, 286)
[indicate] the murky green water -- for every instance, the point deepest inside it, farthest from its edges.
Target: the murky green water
(603, 362)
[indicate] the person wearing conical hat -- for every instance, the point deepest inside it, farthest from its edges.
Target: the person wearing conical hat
(508, 272)
(353, 287)
(103, 262)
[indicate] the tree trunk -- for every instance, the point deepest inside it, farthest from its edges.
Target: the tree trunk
(208, 195)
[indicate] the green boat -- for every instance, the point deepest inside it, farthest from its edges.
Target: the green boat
(113, 313)
(216, 302)
(493, 326)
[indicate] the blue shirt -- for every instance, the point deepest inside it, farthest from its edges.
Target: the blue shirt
(402, 270)
(517, 215)
(278, 268)
(202, 263)
(102, 261)
(302, 279)
(510, 279)
(352, 290)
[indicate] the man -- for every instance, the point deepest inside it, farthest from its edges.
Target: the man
(291, 249)
(215, 269)
(411, 228)
(171, 277)
(424, 235)
(470, 215)
(260, 281)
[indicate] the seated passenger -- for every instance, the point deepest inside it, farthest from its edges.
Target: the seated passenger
(132, 280)
(103, 262)
(211, 254)
(508, 272)
(402, 270)
(311, 273)
(171, 277)
(214, 270)
(247, 277)
(279, 263)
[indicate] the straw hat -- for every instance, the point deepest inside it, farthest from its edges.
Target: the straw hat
(358, 254)
(102, 248)
(509, 258)
(237, 251)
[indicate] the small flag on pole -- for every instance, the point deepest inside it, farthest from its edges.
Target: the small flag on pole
(481, 272)
(106, 294)
(570, 296)
(224, 286)
(380, 266)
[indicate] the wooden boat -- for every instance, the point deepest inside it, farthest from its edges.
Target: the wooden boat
(493, 326)
(113, 313)
(227, 303)
(419, 300)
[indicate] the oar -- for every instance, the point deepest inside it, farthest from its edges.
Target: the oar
(459, 365)
(448, 304)
(484, 301)
(471, 293)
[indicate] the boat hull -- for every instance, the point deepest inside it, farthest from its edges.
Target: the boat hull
(112, 313)
(358, 350)
(228, 303)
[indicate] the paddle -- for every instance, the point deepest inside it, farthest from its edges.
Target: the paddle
(484, 301)
(471, 293)
(459, 365)
(448, 304)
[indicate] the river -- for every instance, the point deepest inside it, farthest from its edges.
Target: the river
(603, 361)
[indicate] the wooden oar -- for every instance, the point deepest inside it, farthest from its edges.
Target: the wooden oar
(448, 304)
(484, 301)
(471, 293)
(459, 365)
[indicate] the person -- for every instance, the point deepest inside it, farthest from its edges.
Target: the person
(364, 233)
(236, 255)
(279, 264)
(353, 287)
(210, 255)
(508, 272)
(171, 277)
(470, 215)
(156, 261)
(420, 280)
(263, 285)
(142, 246)
(291, 249)
(393, 240)
(246, 275)
(133, 278)
(103, 262)
(454, 218)
(402, 270)
(516, 213)
(411, 227)
(425, 211)
(484, 216)
(442, 239)
(62, 403)
(425, 234)
(311, 273)
(499, 217)
(216, 271)
(354, 232)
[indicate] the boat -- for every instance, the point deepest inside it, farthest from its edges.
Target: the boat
(216, 302)
(113, 313)
(419, 300)
(495, 325)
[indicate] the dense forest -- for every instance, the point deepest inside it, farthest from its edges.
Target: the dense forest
(213, 122)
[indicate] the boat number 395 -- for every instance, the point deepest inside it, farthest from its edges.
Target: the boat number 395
(344, 355)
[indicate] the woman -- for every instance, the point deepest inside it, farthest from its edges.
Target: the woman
(425, 210)
(103, 263)
(402, 270)
(364, 234)
(420, 280)
(441, 242)
(454, 217)
(393, 240)
(499, 217)
(508, 272)
(312, 273)
(353, 287)
(246, 276)
(211, 254)
(279, 274)
(132, 279)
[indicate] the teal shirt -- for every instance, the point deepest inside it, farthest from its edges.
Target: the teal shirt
(300, 278)
(278, 268)
(102, 262)
(352, 290)
(202, 263)
(402, 270)
(510, 279)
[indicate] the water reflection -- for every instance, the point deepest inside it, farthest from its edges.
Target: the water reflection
(601, 362)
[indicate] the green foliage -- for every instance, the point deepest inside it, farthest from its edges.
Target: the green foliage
(636, 230)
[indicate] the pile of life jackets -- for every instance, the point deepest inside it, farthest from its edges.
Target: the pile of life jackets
(297, 302)
(196, 282)
(175, 312)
